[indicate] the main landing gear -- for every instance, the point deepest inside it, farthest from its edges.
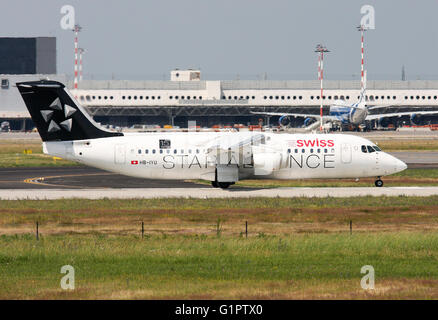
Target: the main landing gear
(378, 182)
(222, 185)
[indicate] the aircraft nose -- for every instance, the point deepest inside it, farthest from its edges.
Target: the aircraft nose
(399, 165)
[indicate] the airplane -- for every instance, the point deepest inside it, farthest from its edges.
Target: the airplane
(341, 113)
(69, 132)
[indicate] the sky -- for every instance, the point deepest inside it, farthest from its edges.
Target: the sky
(234, 39)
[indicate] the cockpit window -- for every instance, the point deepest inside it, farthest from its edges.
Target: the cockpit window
(364, 149)
(377, 148)
(370, 149)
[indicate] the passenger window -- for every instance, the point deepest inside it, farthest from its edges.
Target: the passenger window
(370, 149)
(153, 150)
(161, 150)
(319, 150)
(146, 151)
(325, 150)
(364, 149)
(296, 150)
(174, 151)
(197, 150)
(288, 150)
(303, 150)
(139, 151)
(311, 150)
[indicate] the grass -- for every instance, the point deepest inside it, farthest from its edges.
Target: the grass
(197, 249)
(272, 216)
(407, 145)
(303, 266)
(15, 153)
(409, 177)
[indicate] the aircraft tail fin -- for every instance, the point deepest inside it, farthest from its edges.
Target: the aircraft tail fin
(57, 115)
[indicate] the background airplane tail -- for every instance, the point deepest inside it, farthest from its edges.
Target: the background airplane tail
(56, 114)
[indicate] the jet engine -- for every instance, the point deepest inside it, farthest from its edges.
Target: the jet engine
(416, 119)
(384, 122)
(308, 121)
(266, 163)
(284, 121)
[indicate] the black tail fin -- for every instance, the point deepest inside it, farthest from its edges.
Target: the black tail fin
(56, 115)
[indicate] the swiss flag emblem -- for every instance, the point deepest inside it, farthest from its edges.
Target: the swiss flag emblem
(134, 162)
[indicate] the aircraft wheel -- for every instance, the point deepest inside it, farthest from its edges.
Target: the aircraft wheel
(224, 185)
(378, 183)
(214, 184)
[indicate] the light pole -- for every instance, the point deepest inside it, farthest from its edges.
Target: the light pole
(81, 52)
(321, 50)
(362, 29)
(77, 28)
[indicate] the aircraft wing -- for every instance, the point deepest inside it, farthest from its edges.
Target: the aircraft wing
(224, 144)
(297, 115)
(379, 107)
(398, 114)
(227, 150)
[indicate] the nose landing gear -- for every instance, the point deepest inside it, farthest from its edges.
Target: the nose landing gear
(378, 182)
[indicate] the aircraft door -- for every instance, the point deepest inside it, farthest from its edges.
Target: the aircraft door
(119, 154)
(346, 153)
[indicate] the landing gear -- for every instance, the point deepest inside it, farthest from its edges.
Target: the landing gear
(222, 185)
(378, 182)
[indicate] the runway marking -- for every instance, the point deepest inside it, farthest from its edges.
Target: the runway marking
(38, 180)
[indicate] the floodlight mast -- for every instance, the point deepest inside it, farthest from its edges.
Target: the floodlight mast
(81, 52)
(321, 50)
(77, 28)
(362, 30)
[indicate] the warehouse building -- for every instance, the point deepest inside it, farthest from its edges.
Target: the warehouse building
(23, 59)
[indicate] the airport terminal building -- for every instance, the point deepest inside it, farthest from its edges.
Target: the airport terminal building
(229, 102)
(187, 97)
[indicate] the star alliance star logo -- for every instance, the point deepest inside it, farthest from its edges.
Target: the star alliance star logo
(67, 111)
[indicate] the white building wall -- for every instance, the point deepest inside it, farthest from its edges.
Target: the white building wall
(11, 103)
(212, 94)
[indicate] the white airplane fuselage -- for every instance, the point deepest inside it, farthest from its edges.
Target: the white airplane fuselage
(188, 155)
(349, 115)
